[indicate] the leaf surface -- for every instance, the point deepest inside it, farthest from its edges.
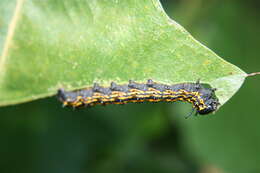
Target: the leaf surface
(52, 44)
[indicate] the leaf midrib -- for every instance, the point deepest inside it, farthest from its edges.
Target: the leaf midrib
(10, 34)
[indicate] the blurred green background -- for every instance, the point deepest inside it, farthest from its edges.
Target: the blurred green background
(41, 136)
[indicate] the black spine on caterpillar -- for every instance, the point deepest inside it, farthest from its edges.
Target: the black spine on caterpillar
(121, 88)
(204, 100)
(134, 85)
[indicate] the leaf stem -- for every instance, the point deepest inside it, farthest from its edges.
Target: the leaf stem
(253, 74)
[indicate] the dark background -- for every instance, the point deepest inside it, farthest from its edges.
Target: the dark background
(41, 136)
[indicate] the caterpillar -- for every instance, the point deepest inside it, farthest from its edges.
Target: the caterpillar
(202, 99)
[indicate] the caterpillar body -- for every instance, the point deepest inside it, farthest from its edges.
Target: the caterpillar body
(203, 99)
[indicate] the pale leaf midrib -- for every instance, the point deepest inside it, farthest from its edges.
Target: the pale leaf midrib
(10, 34)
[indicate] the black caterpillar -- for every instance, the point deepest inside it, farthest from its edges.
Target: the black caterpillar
(203, 99)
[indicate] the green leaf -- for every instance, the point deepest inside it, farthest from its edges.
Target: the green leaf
(46, 45)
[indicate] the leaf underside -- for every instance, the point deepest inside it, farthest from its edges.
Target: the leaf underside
(52, 44)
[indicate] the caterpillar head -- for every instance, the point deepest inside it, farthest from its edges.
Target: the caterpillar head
(210, 106)
(211, 103)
